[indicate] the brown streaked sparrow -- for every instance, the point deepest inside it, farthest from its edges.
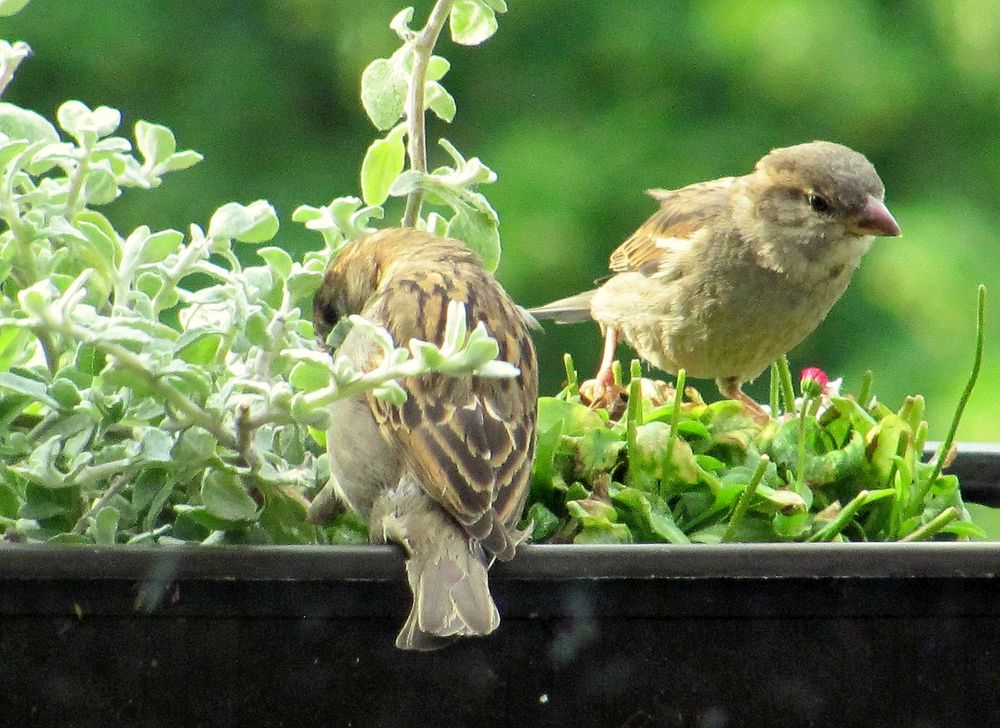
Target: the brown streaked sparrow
(445, 474)
(730, 274)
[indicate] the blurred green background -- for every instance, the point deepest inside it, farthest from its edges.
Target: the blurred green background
(580, 107)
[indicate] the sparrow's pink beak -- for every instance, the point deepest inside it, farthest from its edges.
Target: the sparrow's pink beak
(877, 220)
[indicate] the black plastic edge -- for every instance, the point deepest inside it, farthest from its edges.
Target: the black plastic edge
(533, 562)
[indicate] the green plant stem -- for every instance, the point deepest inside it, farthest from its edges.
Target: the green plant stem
(934, 525)
(192, 253)
(170, 394)
(675, 415)
(787, 389)
(866, 389)
(14, 60)
(966, 393)
(774, 395)
(423, 47)
(633, 412)
(76, 182)
(48, 349)
(800, 466)
(244, 437)
(744, 502)
(841, 520)
(26, 274)
(117, 486)
(572, 378)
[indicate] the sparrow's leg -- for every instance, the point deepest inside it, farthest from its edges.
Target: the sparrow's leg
(732, 388)
(604, 374)
(601, 390)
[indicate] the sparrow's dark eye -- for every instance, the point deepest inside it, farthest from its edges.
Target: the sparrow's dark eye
(819, 203)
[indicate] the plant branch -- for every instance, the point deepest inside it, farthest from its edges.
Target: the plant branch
(177, 399)
(745, 497)
(416, 132)
(966, 393)
(76, 181)
(831, 529)
(787, 388)
(930, 528)
(116, 487)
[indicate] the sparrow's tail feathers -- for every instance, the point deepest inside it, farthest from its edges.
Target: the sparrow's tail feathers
(451, 594)
(566, 310)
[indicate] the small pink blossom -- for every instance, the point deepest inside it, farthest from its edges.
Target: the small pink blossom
(813, 382)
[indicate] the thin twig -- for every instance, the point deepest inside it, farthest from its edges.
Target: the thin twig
(745, 497)
(967, 392)
(787, 389)
(423, 46)
(116, 487)
(930, 528)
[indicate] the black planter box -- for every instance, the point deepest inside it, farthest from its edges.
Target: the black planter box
(640, 636)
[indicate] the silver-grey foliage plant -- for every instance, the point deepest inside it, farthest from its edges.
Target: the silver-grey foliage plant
(136, 407)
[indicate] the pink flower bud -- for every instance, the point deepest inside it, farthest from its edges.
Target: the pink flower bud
(813, 382)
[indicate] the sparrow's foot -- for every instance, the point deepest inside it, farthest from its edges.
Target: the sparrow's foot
(600, 393)
(732, 388)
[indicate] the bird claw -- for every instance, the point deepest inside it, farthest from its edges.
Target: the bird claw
(596, 393)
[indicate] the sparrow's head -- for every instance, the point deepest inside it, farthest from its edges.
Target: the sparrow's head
(348, 284)
(825, 191)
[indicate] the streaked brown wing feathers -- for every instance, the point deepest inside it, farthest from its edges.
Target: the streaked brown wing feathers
(682, 213)
(466, 439)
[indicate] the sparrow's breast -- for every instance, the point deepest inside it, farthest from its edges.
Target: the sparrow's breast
(719, 326)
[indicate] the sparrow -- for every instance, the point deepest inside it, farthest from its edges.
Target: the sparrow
(730, 274)
(444, 474)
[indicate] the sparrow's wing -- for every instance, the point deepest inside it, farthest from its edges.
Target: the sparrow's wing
(468, 440)
(674, 229)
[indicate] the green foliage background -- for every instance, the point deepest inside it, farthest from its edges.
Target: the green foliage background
(579, 107)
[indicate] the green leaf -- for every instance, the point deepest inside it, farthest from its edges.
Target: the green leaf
(29, 387)
(383, 162)
(182, 160)
(14, 344)
(575, 418)
(65, 393)
(159, 245)
(652, 444)
(543, 522)
(479, 231)
(284, 517)
(438, 100)
(279, 261)
(653, 519)
(80, 121)
(253, 223)
(157, 446)
(309, 376)
(383, 92)
(10, 7)
(437, 67)
(42, 503)
(598, 451)
(156, 143)
(225, 497)
(102, 239)
(104, 527)
(100, 187)
(9, 501)
(18, 123)
(472, 22)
